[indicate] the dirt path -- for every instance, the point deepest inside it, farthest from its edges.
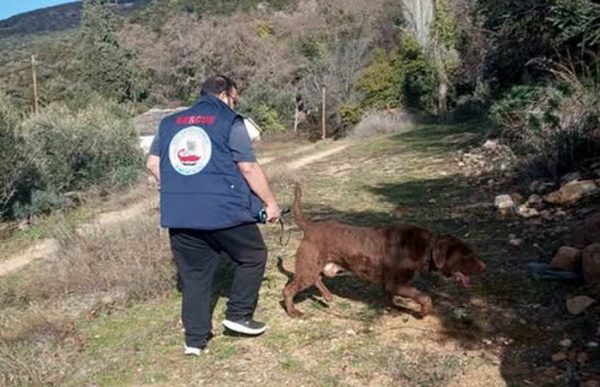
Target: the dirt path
(48, 247)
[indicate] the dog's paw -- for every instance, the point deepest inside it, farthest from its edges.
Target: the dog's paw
(426, 306)
(295, 313)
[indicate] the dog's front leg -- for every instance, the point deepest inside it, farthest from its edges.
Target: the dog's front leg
(417, 295)
(323, 289)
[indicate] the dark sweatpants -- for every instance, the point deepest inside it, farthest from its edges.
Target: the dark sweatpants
(196, 254)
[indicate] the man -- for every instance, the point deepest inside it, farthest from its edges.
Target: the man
(212, 190)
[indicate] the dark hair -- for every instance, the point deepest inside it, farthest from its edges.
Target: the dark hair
(217, 84)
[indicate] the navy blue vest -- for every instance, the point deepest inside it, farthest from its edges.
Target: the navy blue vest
(201, 185)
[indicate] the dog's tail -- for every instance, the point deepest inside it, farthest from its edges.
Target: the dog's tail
(297, 209)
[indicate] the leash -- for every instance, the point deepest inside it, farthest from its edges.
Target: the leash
(281, 221)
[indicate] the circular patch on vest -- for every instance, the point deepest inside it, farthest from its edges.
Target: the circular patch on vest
(190, 150)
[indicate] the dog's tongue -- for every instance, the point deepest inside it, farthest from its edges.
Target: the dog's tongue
(463, 279)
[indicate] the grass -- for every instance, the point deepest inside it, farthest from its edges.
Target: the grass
(109, 335)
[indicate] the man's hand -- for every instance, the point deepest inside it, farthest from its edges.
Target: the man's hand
(273, 213)
(153, 166)
(257, 180)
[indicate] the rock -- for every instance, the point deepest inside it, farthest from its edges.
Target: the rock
(582, 357)
(566, 343)
(572, 192)
(535, 201)
(591, 383)
(545, 214)
(560, 213)
(515, 241)
(590, 266)
(587, 233)
(577, 305)
(592, 344)
(517, 198)
(540, 187)
(527, 212)
(490, 144)
(534, 186)
(505, 204)
(559, 356)
(570, 177)
(565, 258)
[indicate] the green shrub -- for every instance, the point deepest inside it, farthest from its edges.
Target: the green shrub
(40, 202)
(381, 82)
(271, 108)
(419, 76)
(61, 150)
(351, 114)
(407, 78)
(551, 126)
(12, 155)
(74, 150)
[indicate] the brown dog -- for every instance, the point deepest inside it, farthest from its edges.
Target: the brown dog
(390, 255)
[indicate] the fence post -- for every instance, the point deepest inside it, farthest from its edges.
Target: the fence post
(324, 116)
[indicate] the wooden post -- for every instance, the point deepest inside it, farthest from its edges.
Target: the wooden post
(324, 116)
(35, 91)
(296, 112)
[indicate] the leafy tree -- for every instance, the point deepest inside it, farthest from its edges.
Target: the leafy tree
(102, 63)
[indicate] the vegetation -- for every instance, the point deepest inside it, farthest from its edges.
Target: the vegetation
(445, 58)
(61, 151)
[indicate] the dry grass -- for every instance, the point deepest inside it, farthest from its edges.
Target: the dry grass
(381, 122)
(132, 257)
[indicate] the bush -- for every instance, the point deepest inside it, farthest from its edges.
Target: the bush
(551, 126)
(75, 150)
(271, 108)
(12, 165)
(61, 150)
(407, 78)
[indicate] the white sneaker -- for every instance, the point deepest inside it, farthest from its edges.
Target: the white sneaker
(192, 351)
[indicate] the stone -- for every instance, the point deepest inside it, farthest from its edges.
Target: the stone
(587, 233)
(592, 344)
(566, 258)
(559, 356)
(591, 383)
(534, 200)
(590, 266)
(577, 305)
(515, 241)
(570, 177)
(526, 212)
(540, 187)
(582, 357)
(566, 343)
(517, 198)
(490, 144)
(505, 204)
(572, 192)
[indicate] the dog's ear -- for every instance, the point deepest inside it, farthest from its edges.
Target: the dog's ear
(440, 249)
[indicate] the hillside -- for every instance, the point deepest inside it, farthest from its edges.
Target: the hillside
(57, 18)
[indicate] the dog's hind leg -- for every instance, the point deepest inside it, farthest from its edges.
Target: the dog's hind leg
(307, 274)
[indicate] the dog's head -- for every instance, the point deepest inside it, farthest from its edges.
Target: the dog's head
(454, 258)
